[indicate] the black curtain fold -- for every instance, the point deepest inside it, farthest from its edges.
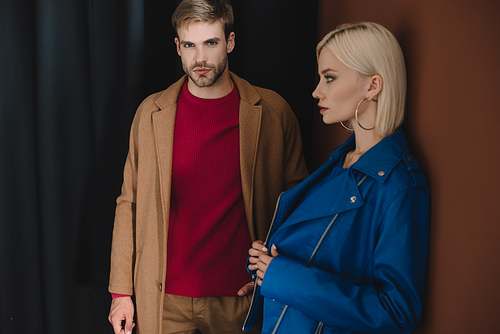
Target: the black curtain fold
(72, 74)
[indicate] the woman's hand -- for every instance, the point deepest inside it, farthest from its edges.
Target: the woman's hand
(259, 259)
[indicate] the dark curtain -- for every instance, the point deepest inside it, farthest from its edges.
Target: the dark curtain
(72, 74)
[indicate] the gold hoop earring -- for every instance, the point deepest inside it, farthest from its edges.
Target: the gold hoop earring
(345, 127)
(356, 115)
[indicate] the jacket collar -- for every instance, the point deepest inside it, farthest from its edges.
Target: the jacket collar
(383, 157)
(379, 161)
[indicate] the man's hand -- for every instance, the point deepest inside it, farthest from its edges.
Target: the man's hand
(122, 309)
(246, 289)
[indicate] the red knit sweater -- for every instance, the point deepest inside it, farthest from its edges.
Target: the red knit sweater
(208, 238)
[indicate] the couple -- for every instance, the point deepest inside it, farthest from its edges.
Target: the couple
(208, 159)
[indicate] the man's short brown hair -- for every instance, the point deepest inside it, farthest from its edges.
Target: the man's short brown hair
(209, 11)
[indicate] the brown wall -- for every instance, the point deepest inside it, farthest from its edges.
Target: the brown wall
(452, 51)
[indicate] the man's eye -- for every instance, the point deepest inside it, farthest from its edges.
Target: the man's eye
(188, 46)
(212, 43)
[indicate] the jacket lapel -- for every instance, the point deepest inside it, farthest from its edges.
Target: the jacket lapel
(330, 200)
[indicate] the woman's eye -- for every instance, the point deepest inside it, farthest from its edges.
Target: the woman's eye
(329, 79)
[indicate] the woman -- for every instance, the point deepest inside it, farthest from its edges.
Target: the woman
(349, 244)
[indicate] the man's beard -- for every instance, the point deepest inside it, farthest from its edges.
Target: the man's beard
(203, 80)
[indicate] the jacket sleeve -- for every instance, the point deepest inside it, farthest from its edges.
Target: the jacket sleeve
(392, 303)
(123, 243)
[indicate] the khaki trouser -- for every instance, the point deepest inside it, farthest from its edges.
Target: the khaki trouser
(209, 315)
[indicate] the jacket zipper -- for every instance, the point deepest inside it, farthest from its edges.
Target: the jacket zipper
(320, 328)
(362, 180)
(267, 239)
(322, 238)
(274, 218)
(279, 320)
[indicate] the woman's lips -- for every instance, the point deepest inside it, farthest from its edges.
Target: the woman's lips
(322, 109)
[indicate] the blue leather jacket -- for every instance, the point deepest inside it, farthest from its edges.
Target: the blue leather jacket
(354, 264)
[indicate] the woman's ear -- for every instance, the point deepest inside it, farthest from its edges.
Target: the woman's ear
(376, 83)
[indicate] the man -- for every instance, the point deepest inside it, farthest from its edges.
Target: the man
(208, 159)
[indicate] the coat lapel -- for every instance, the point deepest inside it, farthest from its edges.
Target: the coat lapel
(249, 118)
(163, 129)
(163, 126)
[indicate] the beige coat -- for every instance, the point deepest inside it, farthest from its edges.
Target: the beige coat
(271, 161)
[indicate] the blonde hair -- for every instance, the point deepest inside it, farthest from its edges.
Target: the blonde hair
(370, 49)
(209, 11)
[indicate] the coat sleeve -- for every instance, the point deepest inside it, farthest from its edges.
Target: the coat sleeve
(123, 243)
(392, 303)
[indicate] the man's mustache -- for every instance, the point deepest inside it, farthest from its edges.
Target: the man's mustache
(202, 66)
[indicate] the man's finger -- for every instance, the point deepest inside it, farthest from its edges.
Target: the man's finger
(246, 289)
(129, 324)
(117, 326)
